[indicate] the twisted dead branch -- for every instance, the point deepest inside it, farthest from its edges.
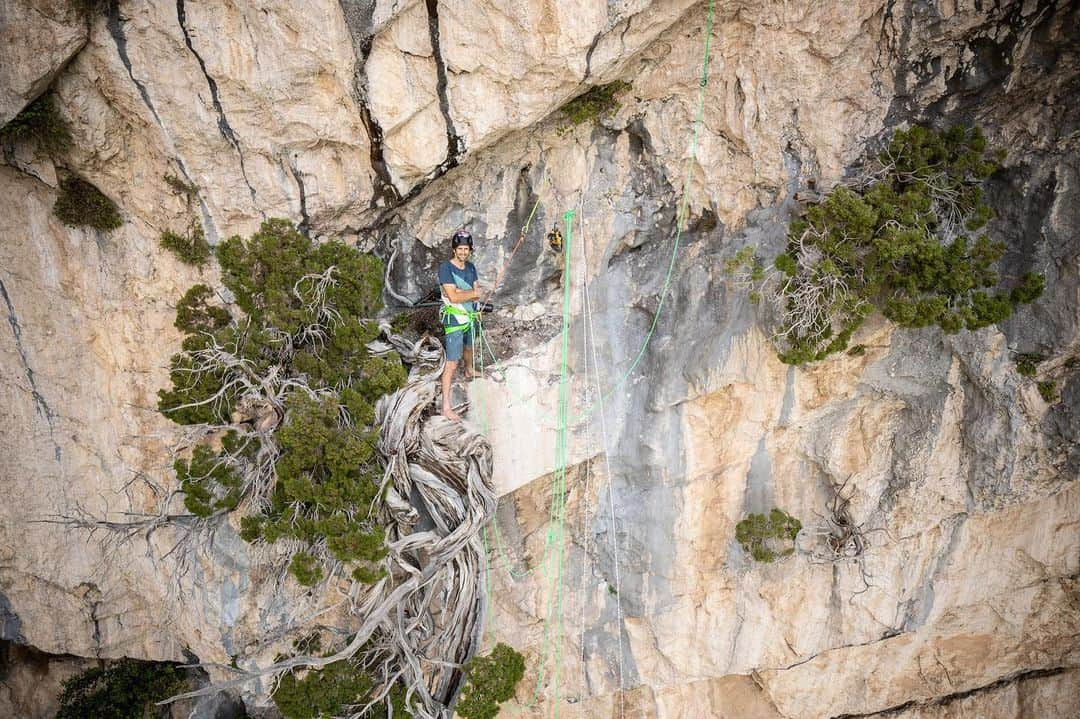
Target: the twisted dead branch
(837, 537)
(422, 621)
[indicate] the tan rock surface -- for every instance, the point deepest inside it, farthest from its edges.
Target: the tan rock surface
(78, 398)
(37, 38)
(957, 473)
(402, 76)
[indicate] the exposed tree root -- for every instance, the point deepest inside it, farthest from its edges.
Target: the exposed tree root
(422, 621)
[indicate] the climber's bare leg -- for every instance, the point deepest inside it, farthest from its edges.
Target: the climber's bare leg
(467, 355)
(447, 379)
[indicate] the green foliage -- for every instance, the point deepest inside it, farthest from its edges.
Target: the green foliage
(306, 569)
(80, 204)
(263, 271)
(745, 265)
(194, 315)
(303, 318)
(1027, 364)
(786, 264)
(40, 123)
(908, 243)
(327, 478)
(1049, 391)
(857, 350)
(190, 248)
(739, 260)
(594, 103)
(210, 484)
(126, 689)
(198, 395)
(332, 691)
(1030, 288)
(760, 536)
(88, 7)
(180, 187)
(490, 680)
(321, 694)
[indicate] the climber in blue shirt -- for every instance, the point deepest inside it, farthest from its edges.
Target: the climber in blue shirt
(460, 292)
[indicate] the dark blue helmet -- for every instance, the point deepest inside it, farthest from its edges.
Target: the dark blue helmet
(461, 237)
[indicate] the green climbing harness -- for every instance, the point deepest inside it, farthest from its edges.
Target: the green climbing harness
(450, 326)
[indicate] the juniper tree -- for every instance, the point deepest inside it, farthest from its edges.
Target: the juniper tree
(119, 690)
(277, 385)
(909, 240)
(284, 381)
(491, 681)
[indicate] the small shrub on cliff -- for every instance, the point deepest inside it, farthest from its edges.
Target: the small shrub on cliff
(1027, 364)
(290, 385)
(336, 690)
(86, 8)
(80, 204)
(766, 538)
(191, 248)
(180, 187)
(328, 692)
(40, 123)
(909, 242)
(594, 103)
(1048, 390)
(195, 315)
(491, 680)
(210, 484)
(126, 689)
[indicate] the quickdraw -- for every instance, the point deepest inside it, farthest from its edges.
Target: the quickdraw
(554, 239)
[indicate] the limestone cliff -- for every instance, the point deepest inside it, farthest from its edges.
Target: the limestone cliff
(391, 124)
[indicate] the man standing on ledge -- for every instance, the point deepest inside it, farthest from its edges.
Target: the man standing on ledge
(460, 290)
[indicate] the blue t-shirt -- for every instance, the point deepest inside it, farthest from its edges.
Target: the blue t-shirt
(463, 279)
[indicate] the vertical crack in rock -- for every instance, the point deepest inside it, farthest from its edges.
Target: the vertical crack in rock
(358, 18)
(116, 29)
(91, 594)
(115, 25)
(889, 45)
(919, 608)
(625, 22)
(10, 624)
(455, 145)
(305, 222)
(386, 193)
(223, 123)
(40, 404)
(589, 54)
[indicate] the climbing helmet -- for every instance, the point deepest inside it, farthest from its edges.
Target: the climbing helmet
(461, 237)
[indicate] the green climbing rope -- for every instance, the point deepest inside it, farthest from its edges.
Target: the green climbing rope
(555, 537)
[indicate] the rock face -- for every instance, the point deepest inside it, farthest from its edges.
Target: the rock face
(37, 38)
(391, 125)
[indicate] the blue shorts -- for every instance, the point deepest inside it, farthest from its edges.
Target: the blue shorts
(456, 342)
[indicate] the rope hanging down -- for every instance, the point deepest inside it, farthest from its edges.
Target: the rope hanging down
(555, 540)
(681, 216)
(680, 225)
